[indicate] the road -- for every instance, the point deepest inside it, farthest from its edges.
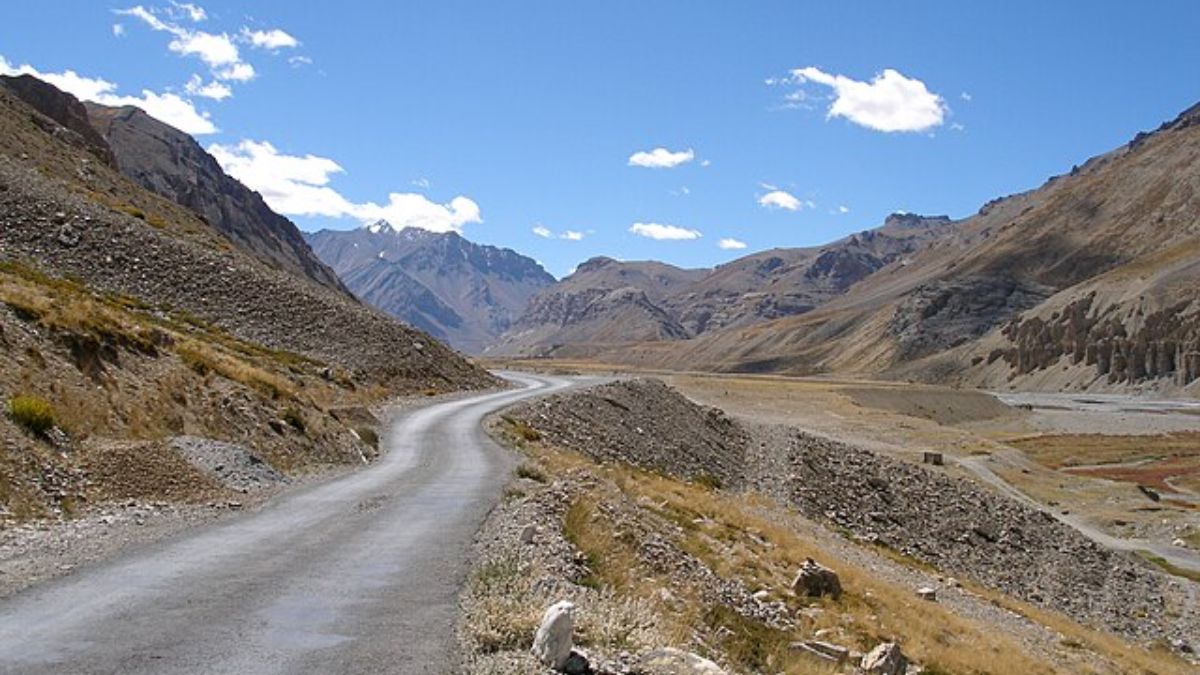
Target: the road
(359, 574)
(1178, 556)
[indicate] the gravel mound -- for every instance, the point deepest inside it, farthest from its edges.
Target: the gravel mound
(645, 423)
(233, 466)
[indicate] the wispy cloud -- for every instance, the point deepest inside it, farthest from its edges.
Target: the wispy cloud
(269, 39)
(730, 244)
(663, 232)
(889, 102)
(546, 233)
(299, 185)
(217, 91)
(661, 158)
(543, 231)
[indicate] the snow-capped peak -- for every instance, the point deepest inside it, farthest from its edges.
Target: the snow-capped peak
(379, 226)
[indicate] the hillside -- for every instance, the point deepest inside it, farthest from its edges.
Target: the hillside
(458, 291)
(131, 321)
(1086, 282)
(608, 302)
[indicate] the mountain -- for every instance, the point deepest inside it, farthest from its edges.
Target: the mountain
(1091, 281)
(129, 325)
(170, 163)
(608, 302)
(462, 292)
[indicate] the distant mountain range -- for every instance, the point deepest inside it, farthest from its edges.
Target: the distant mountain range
(464, 293)
(608, 302)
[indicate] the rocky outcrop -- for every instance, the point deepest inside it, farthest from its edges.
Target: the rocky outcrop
(459, 291)
(886, 659)
(1123, 344)
(172, 164)
(945, 314)
(815, 580)
(64, 109)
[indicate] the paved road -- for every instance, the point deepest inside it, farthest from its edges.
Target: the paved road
(356, 575)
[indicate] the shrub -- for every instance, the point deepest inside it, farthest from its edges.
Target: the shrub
(531, 471)
(368, 436)
(295, 420)
(34, 414)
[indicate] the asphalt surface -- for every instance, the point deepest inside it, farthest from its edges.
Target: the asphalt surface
(360, 574)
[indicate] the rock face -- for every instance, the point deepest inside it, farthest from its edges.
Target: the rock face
(64, 109)
(608, 302)
(456, 290)
(886, 659)
(170, 163)
(814, 580)
(553, 641)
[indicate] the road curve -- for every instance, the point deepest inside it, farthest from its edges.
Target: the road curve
(359, 574)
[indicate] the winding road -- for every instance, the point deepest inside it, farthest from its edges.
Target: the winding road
(359, 574)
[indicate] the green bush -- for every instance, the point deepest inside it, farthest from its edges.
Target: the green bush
(33, 413)
(532, 472)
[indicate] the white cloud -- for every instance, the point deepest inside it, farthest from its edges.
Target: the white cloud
(663, 232)
(705, 163)
(546, 233)
(661, 158)
(730, 244)
(422, 183)
(238, 72)
(781, 199)
(217, 91)
(890, 102)
(299, 185)
(571, 235)
(297, 61)
(542, 231)
(219, 51)
(118, 30)
(269, 39)
(843, 209)
(957, 127)
(187, 9)
(965, 96)
(170, 108)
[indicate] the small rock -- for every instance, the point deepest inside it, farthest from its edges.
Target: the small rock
(552, 642)
(927, 593)
(885, 659)
(762, 595)
(671, 661)
(527, 534)
(815, 580)
(821, 651)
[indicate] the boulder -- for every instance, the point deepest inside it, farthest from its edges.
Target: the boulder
(815, 580)
(927, 593)
(822, 652)
(885, 659)
(552, 642)
(671, 661)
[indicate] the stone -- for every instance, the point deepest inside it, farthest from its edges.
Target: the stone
(927, 593)
(885, 659)
(821, 651)
(814, 580)
(527, 534)
(671, 661)
(553, 640)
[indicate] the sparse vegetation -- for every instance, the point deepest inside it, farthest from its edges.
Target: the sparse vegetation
(521, 429)
(294, 418)
(33, 413)
(531, 471)
(368, 436)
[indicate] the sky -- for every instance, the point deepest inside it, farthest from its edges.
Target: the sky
(690, 132)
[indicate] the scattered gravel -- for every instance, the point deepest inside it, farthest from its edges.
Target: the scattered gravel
(233, 465)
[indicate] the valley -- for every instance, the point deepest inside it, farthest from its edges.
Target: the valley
(267, 411)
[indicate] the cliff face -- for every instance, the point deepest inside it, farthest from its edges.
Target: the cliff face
(170, 163)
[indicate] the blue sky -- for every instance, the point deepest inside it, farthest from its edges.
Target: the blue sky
(513, 121)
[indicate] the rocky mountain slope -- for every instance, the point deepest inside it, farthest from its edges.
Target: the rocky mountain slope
(125, 317)
(607, 302)
(458, 291)
(1086, 282)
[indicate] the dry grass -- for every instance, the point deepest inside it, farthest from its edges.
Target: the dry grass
(1069, 450)
(738, 539)
(33, 413)
(205, 359)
